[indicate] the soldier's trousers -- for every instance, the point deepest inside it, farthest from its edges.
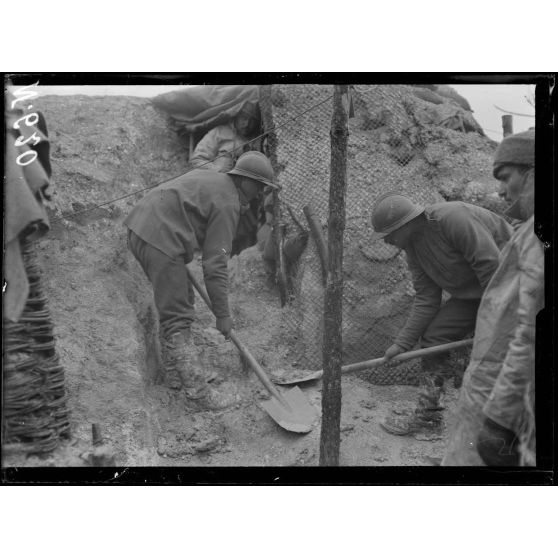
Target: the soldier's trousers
(453, 322)
(172, 290)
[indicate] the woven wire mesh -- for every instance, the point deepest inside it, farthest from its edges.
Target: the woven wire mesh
(395, 144)
(34, 413)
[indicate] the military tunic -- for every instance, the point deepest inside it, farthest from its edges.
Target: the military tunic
(457, 251)
(197, 211)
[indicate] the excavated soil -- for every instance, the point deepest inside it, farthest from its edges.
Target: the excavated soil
(101, 303)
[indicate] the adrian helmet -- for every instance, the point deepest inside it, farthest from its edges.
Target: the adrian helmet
(391, 212)
(255, 165)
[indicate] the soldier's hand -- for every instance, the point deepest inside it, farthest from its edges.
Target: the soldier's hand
(224, 325)
(227, 162)
(392, 351)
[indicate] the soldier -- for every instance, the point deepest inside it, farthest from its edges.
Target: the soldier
(220, 147)
(197, 211)
(494, 415)
(452, 247)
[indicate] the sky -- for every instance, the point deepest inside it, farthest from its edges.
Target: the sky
(483, 99)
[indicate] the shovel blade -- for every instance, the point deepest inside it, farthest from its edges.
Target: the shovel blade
(297, 415)
(308, 377)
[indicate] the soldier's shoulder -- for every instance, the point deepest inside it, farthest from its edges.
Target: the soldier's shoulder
(447, 209)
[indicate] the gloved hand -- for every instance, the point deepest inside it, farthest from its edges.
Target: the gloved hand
(497, 445)
(224, 325)
(392, 351)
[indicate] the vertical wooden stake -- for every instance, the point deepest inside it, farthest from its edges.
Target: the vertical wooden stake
(317, 235)
(333, 305)
(278, 225)
(507, 124)
(278, 230)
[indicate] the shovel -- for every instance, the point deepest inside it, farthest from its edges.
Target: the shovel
(289, 409)
(378, 361)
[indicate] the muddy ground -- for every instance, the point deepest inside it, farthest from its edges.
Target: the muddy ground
(106, 325)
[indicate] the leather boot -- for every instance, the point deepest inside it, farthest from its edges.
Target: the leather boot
(426, 416)
(182, 364)
(173, 357)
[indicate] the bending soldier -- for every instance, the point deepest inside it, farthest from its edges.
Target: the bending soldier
(452, 247)
(197, 211)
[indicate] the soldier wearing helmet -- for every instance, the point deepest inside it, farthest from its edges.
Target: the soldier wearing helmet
(220, 147)
(197, 211)
(452, 247)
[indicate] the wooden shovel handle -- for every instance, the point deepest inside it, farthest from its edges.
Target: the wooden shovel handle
(240, 346)
(427, 351)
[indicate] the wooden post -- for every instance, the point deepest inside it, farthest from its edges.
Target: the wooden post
(507, 124)
(333, 304)
(281, 268)
(278, 225)
(318, 236)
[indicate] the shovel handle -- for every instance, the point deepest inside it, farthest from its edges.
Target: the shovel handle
(409, 355)
(240, 346)
(257, 368)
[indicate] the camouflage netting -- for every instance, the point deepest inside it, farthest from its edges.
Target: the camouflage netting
(397, 141)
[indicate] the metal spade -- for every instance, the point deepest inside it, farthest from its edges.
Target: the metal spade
(289, 409)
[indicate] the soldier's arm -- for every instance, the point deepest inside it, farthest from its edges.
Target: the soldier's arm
(426, 304)
(216, 251)
(206, 151)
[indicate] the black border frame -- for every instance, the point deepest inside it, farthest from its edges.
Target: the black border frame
(545, 212)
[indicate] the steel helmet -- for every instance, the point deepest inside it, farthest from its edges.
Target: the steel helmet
(392, 211)
(255, 165)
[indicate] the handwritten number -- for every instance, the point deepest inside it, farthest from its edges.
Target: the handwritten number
(22, 95)
(21, 141)
(34, 116)
(33, 155)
